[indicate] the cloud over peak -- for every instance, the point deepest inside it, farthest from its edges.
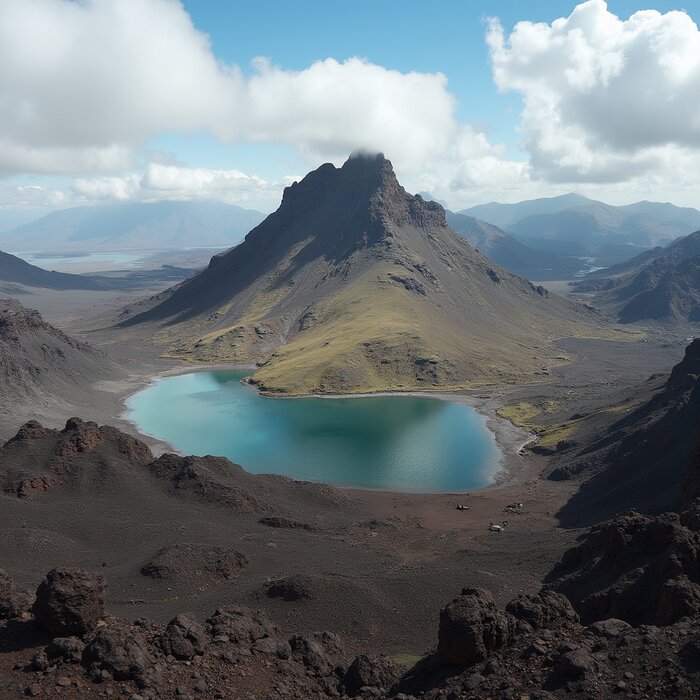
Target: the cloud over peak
(85, 85)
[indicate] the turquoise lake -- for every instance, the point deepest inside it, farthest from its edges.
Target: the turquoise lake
(398, 443)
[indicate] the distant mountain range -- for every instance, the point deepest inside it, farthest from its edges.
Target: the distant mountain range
(137, 226)
(577, 226)
(510, 253)
(18, 277)
(355, 285)
(661, 284)
(15, 271)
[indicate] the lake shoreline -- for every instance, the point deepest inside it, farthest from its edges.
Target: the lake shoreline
(510, 440)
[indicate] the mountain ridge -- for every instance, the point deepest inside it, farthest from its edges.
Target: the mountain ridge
(574, 225)
(355, 285)
(662, 284)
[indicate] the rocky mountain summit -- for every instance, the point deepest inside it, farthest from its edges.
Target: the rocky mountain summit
(354, 285)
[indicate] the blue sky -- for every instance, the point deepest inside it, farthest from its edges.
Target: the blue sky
(408, 35)
(156, 99)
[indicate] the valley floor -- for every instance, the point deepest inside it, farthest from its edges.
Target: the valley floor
(383, 566)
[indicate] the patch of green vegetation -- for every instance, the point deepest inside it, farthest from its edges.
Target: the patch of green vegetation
(549, 436)
(520, 414)
(367, 333)
(405, 660)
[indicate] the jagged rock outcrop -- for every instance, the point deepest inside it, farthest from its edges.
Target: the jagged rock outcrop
(184, 637)
(471, 627)
(119, 651)
(639, 461)
(351, 282)
(37, 458)
(545, 610)
(540, 650)
(240, 625)
(371, 674)
(641, 569)
(322, 654)
(70, 601)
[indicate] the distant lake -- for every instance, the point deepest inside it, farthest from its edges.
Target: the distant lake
(81, 262)
(398, 443)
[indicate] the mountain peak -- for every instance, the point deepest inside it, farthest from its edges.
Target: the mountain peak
(366, 190)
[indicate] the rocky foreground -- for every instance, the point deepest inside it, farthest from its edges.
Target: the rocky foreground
(618, 617)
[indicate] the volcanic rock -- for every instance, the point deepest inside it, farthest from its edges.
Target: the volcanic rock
(13, 601)
(640, 569)
(70, 601)
(184, 637)
(471, 627)
(37, 459)
(197, 564)
(241, 625)
(322, 653)
(543, 610)
(120, 650)
(66, 649)
(376, 672)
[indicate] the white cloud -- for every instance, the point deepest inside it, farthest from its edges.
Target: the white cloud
(176, 182)
(83, 84)
(21, 197)
(605, 100)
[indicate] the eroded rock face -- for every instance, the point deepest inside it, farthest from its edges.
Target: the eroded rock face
(242, 626)
(39, 459)
(200, 478)
(184, 637)
(641, 569)
(376, 672)
(543, 610)
(471, 626)
(120, 650)
(322, 654)
(13, 602)
(70, 601)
